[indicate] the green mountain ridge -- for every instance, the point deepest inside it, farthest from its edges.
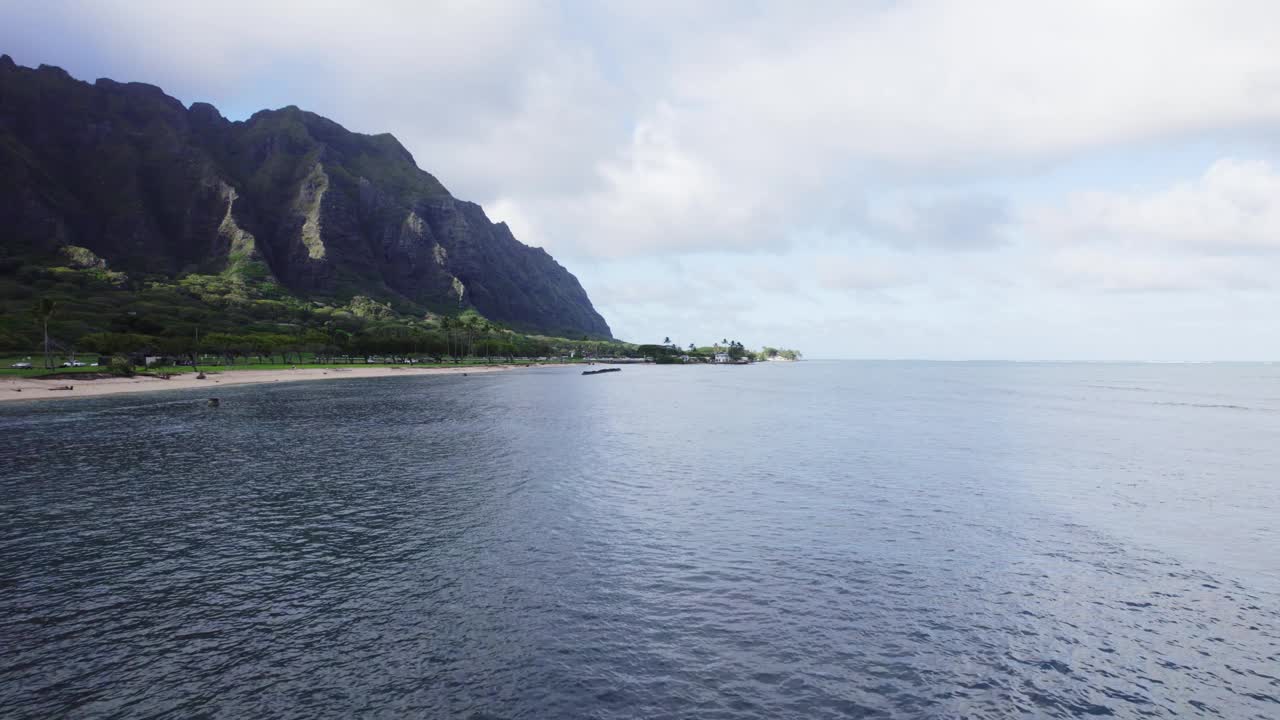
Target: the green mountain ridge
(118, 188)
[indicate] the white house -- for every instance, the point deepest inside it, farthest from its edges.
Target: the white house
(722, 357)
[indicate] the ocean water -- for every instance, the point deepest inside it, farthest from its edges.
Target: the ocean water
(809, 540)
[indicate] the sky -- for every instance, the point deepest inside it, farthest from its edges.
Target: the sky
(989, 179)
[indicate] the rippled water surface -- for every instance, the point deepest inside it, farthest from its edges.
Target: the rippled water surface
(814, 540)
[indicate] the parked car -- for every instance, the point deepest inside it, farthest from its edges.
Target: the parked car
(21, 366)
(74, 363)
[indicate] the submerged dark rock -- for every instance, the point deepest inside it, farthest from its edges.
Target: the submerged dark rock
(598, 372)
(156, 188)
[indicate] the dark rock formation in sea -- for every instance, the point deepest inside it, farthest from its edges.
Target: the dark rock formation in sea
(154, 188)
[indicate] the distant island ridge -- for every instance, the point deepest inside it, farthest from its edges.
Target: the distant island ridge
(145, 237)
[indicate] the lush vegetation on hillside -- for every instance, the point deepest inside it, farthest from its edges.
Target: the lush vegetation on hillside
(241, 316)
(89, 309)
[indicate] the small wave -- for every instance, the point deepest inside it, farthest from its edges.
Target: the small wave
(1219, 406)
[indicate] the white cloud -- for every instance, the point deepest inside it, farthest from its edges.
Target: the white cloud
(770, 121)
(1123, 271)
(929, 84)
(1220, 231)
(848, 273)
(951, 222)
(1232, 209)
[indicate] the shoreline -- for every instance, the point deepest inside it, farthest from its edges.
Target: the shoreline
(19, 389)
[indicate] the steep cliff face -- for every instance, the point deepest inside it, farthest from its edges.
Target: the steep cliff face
(155, 188)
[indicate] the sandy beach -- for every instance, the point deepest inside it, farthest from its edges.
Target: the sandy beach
(32, 389)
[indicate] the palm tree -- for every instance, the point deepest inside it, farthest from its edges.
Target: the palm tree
(486, 344)
(446, 324)
(470, 325)
(43, 310)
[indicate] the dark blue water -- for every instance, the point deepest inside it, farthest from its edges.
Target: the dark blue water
(814, 540)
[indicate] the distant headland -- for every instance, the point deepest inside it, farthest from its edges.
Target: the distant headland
(725, 352)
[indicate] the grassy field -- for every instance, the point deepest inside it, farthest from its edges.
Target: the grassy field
(37, 363)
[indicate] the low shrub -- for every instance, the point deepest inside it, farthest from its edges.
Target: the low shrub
(120, 366)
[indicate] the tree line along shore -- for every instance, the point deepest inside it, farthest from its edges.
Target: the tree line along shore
(59, 341)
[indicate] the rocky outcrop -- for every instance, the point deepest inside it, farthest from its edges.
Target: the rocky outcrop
(154, 188)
